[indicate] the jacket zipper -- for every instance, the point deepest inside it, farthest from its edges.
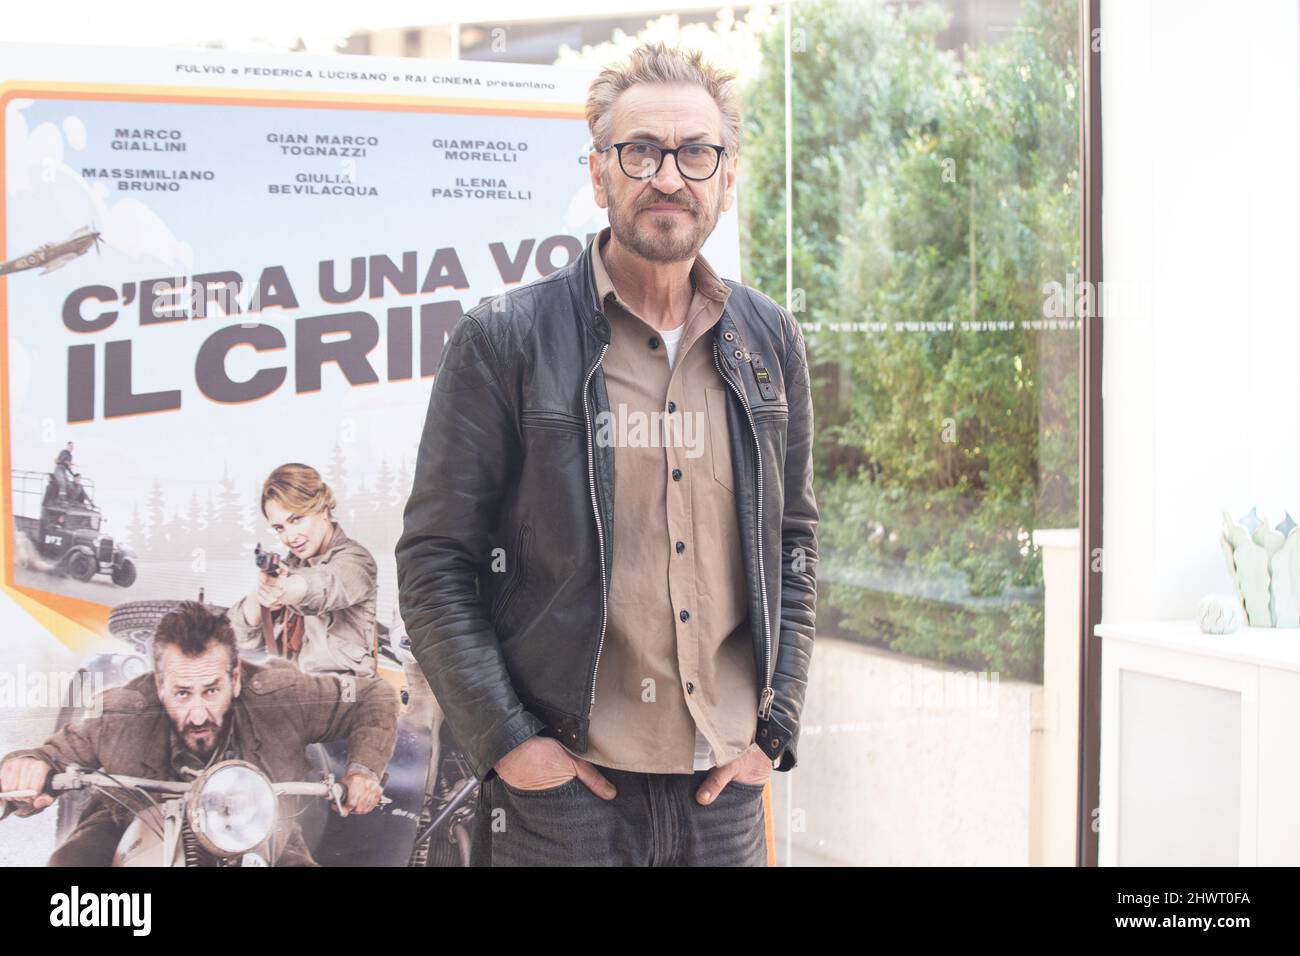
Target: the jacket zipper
(765, 699)
(595, 507)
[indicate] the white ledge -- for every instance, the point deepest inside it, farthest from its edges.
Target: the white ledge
(1264, 646)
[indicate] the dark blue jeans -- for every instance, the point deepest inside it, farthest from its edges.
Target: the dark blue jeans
(654, 821)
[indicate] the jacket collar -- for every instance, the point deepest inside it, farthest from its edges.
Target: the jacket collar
(581, 280)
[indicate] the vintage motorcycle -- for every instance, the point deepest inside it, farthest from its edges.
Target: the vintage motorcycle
(226, 816)
(429, 818)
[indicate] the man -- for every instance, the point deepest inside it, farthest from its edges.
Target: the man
(63, 470)
(202, 705)
(78, 494)
(620, 637)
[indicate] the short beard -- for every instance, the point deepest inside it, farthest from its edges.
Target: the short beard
(655, 249)
(217, 737)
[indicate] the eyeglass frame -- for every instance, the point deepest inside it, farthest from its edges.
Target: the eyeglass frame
(664, 153)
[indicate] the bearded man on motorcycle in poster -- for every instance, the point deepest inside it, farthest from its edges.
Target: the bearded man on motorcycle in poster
(201, 705)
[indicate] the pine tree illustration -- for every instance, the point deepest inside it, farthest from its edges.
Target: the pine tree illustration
(227, 519)
(156, 509)
(336, 475)
(136, 534)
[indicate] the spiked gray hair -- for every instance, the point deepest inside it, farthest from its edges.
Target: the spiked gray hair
(658, 63)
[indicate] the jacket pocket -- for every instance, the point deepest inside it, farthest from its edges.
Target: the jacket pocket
(549, 418)
(514, 575)
(719, 438)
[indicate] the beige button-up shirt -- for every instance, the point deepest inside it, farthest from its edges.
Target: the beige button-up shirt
(676, 549)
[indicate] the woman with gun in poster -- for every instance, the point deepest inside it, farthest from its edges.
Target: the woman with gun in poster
(316, 606)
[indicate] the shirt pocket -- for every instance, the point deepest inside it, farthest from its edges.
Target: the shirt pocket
(715, 399)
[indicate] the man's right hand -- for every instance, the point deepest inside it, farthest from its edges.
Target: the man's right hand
(27, 773)
(542, 762)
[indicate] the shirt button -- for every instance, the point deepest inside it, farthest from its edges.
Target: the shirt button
(681, 546)
(690, 688)
(654, 342)
(685, 615)
(672, 406)
(677, 474)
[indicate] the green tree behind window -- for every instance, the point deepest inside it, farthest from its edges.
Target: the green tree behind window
(928, 187)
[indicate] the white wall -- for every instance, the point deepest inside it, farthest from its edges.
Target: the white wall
(1201, 209)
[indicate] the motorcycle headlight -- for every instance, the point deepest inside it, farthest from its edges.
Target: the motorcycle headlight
(232, 808)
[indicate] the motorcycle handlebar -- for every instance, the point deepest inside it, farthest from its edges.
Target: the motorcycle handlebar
(79, 779)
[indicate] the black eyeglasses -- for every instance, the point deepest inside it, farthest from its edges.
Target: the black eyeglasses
(642, 160)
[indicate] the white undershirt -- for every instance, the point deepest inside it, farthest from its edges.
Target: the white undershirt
(672, 338)
(703, 753)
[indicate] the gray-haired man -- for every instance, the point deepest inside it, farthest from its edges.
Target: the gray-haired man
(625, 687)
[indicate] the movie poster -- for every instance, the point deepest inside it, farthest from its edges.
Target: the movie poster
(215, 264)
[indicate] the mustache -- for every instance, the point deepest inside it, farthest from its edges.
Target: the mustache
(688, 206)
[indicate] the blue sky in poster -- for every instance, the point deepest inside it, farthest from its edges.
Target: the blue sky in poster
(232, 222)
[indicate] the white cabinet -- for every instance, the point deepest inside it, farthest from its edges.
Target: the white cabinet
(1200, 762)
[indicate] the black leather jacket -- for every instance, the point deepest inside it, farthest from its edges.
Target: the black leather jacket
(508, 467)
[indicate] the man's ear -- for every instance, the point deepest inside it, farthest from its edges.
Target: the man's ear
(594, 159)
(730, 178)
(235, 678)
